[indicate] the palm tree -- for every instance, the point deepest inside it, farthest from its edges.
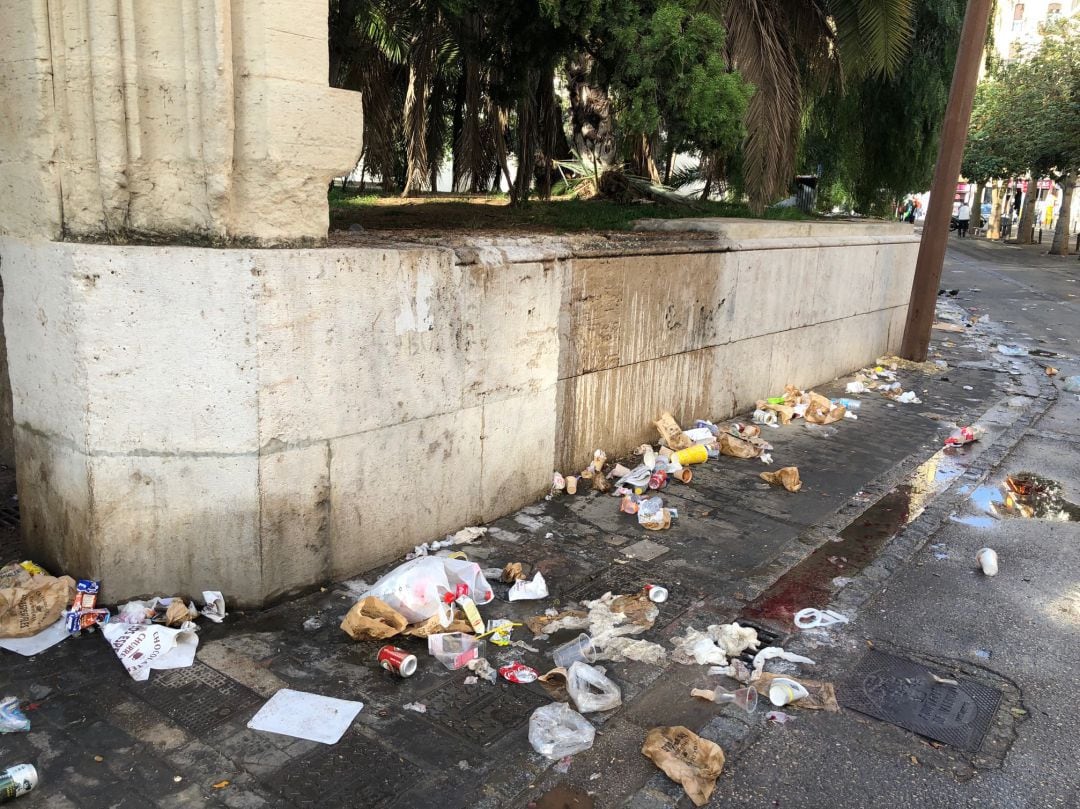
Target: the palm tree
(787, 47)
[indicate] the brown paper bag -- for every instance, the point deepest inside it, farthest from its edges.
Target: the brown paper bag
(823, 411)
(784, 412)
(555, 682)
(822, 696)
(637, 608)
(737, 447)
(788, 477)
(671, 433)
(513, 572)
(177, 613)
(432, 627)
(373, 619)
(687, 759)
(34, 604)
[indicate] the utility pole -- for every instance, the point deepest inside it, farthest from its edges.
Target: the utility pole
(920, 316)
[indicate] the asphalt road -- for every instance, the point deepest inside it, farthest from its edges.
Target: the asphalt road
(1018, 631)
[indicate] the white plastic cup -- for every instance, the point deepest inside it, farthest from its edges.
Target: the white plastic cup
(579, 650)
(988, 561)
(783, 691)
(657, 594)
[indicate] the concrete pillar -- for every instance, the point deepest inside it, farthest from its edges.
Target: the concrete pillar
(133, 374)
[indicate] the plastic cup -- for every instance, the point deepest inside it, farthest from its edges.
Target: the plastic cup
(988, 561)
(579, 650)
(782, 691)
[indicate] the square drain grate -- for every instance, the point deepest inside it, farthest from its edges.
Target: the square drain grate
(197, 698)
(904, 693)
(482, 718)
(356, 771)
(629, 579)
(9, 516)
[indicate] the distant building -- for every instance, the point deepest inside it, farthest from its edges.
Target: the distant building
(1018, 26)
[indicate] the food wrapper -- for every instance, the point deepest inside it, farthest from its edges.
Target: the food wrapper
(142, 647)
(373, 619)
(687, 759)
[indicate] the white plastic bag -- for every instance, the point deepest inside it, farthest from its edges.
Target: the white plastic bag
(142, 647)
(417, 589)
(591, 689)
(529, 590)
(557, 730)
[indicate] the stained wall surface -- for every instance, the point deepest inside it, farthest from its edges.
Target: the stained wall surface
(258, 421)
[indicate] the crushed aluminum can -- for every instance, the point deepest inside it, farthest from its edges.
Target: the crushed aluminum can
(656, 593)
(658, 479)
(518, 672)
(397, 661)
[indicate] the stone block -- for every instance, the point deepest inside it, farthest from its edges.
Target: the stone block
(843, 282)
(353, 340)
(399, 486)
(176, 523)
(294, 521)
(509, 329)
(594, 305)
(773, 291)
(518, 451)
(189, 383)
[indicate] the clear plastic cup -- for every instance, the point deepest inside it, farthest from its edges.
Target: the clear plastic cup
(455, 649)
(579, 650)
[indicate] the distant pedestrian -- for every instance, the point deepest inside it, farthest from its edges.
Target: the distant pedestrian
(909, 211)
(963, 216)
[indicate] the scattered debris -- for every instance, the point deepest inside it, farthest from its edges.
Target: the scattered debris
(591, 689)
(811, 617)
(16, 781)
(686, 759)
(12, 720)
(416, 707)
(557, 730)
(529, 590)
(788, 477)
(306, 716)
(779, 717)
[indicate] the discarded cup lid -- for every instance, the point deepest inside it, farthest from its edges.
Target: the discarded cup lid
(811, 617)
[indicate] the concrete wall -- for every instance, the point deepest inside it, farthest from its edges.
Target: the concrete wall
(258, 421)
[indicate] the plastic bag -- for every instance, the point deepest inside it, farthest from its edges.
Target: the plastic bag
(12, 720)
(591, 689)
(557, 730)
(525, 590)
(417, 589)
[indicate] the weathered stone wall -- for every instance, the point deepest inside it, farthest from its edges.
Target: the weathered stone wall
(257, 421)
(180, 120)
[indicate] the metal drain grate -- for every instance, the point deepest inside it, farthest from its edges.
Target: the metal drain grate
(198, 698)
(904, 693)
(9, 516)
(767, 637)
(482, 718)
(629, 579)
(356, 771)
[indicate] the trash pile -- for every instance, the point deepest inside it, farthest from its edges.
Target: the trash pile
(882, 378)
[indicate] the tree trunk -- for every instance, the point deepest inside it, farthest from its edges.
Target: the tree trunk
(641, 159)
(1060, 246)
(590, 114)
(552, 143)
(976, 206)
(1025, 230)
(421, 59)
(669, 165)
(457, 124)
(995, 210)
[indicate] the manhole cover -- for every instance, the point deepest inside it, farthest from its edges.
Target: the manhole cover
(356, 771)
(484, 717)
(905, 693)
(198, 698)
(629, 579)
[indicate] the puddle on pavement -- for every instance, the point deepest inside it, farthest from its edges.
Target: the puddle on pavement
(810, 583)
(563, 797)
(1023, 495)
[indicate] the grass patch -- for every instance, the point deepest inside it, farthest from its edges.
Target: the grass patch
(457, 213)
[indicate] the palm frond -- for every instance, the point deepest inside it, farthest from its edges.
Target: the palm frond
(873, 35)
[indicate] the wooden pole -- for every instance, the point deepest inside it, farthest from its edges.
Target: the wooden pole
(920, 316)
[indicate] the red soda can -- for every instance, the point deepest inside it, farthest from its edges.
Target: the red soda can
(397, 660)
(658, 479)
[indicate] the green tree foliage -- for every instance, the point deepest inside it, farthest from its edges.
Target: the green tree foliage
(877, 140)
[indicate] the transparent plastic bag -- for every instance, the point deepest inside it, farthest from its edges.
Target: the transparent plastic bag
(418, 589)
(557, 730)
(591, 689)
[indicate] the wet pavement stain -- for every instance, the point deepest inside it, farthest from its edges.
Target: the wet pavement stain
(563, 797)
(1023, 495)
(812, 582)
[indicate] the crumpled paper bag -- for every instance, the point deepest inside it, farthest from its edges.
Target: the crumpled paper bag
(30, 604)
(788, 477)
(432, 626)
(821, 697)
(687, 759)
(372, 618)
(142, 647)
(671, 433)
(822, 411)
(737, 447)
